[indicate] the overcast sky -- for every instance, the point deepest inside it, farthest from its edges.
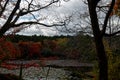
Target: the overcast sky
(65, 8)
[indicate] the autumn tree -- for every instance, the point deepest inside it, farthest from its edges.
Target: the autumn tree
(16, 15)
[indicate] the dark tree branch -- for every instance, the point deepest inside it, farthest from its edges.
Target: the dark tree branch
(17, 12)
(8, 24)
(40, 8)
(29, 4)
(96, 2)
(34, 17)
(112, 34)
(21, 13)
(17, 17)
(98, 39)
(3, 8)
(13, 12)
(94, 18)
(107, 17)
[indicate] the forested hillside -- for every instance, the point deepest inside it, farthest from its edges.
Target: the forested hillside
(79, 47)
(34, 47)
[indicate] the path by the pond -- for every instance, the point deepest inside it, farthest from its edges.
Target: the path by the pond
(53, 63)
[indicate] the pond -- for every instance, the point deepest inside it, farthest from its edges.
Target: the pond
(44, 73)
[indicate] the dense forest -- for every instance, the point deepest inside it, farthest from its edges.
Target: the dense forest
(79, 47)
(33, 47)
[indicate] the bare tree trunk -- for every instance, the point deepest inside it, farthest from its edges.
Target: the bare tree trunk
(3, 30)
(102, 59)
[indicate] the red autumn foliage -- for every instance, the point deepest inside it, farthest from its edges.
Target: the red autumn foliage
(30, 49)
(25, 50)
(8, 49)
(35, 49)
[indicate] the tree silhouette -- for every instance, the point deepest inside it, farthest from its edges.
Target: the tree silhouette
(12, 11)
(99, 33)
